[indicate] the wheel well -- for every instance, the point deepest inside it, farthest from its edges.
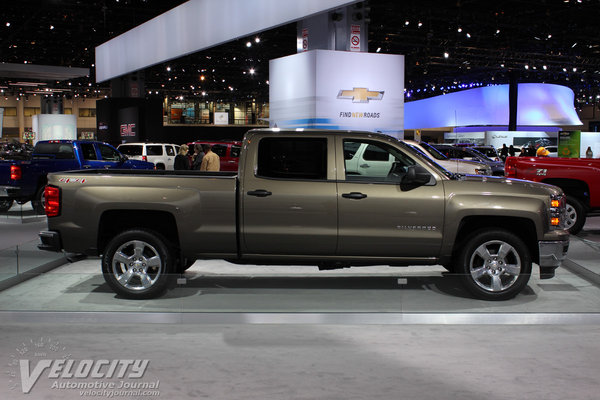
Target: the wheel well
(573, 187)
(522, 227)
(116, 221)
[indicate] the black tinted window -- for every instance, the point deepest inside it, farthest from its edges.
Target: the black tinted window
(219, 150)
(375, 153)
(59, 150)
(235, 151)
(131, 150)
(108, 153)
(292, 158)
(154, 150)
(88, 150)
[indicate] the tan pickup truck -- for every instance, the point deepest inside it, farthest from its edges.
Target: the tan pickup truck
(326, 198)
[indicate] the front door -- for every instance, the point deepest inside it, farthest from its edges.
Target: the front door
(377, 216)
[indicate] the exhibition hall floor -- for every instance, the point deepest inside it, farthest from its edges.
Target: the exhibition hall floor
(255, 332)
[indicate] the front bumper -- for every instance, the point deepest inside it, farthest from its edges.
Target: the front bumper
(50, 241)
(552, 253)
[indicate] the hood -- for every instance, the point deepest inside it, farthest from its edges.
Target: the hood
(503, 185)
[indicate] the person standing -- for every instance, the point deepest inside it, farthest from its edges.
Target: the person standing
(181, 159)
(210, 161)
(198, 156)
(511, 151)
(504, 152)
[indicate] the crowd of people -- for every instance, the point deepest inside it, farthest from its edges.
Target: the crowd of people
(203, 159)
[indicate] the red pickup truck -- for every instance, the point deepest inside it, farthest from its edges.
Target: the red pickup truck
(579, 178)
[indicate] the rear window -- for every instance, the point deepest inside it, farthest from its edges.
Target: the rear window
(292, 158)
(58, 150)
(219, 149)
(154, 150)
(131, 150)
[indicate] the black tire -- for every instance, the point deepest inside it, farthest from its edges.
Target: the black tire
(39, 201)
(160, 167)
(5, 204)
(483, 261)
(575, 215)
(137, 264)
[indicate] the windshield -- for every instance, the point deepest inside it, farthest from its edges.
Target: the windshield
(481, 155)
(427, 159)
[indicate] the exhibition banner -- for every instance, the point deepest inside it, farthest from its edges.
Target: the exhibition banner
(329, 89)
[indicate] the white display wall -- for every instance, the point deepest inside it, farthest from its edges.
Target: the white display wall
(54, 127)
(329, 89)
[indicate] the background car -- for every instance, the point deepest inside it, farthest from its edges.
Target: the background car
(227, 150)
(471, 154)
(453, 165)
(161, 154)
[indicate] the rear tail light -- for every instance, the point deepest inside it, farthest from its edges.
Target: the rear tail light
(510, 170)
(15, 172)
(144, 158)
(52, 200)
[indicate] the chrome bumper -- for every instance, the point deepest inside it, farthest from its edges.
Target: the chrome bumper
(552, 253)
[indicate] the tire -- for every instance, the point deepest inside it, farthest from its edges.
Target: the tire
(483, 260)
(575, 215)
(137, 264)
(160, 167)
(39, 201)
(5, 204)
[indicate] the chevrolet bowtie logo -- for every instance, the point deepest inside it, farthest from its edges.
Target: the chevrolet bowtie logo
(360, 95)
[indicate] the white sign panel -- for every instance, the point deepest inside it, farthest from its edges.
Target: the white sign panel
(221, 118)
(54, 126)
(338, 90)
(197, 25)
(355, 38)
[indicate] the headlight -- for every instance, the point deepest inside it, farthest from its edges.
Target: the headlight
(557, 211)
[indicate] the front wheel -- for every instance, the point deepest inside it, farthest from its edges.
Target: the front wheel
(137, 264)
(575, 215)
(5, 204)
(494, 264)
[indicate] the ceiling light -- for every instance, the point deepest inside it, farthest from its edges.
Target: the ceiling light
(378, 50)
(8, 24)
(459, 29)
(468, 35)
(446, 55)
(257, 40)
(526, 66)
(545, 67)
(420, 24)
(51, 27)
(248, 44)
(251, 71)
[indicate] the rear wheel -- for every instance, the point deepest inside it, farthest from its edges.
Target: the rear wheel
(137, 264)
(494, 264)
(5, 204)
(575, 215)
(39, 202)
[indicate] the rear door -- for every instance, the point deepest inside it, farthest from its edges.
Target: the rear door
(289, 201)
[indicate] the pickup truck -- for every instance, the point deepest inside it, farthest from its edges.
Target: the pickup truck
(297, 200)
(24, 180)
(579, 178)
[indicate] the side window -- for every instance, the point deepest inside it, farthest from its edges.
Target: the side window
(292, 158)
(154, 150)
(89, 152)
(170, 151)
(374, 161)
(108, 153)
(219, 149)
(235, 150)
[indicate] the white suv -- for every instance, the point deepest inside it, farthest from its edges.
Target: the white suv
(161, 154)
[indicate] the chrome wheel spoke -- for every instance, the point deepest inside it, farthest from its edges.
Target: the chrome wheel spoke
(121, 258)
(146, 281)
(496, 285)
(154, 262)
(125, 277)
(478, 273)
(512, 269)
(483, 252)
(504, 250)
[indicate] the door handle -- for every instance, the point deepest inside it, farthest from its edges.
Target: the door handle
(354, 195)
(87, 166)
(259, 193)
(364, 166)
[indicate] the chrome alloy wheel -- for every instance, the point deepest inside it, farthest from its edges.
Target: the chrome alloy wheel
(570, 216)
(495, 266)
(136, 265)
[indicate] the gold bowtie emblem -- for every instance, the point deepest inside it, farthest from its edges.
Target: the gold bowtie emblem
(360, 95)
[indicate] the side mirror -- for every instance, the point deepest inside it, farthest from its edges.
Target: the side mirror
(416, 175)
